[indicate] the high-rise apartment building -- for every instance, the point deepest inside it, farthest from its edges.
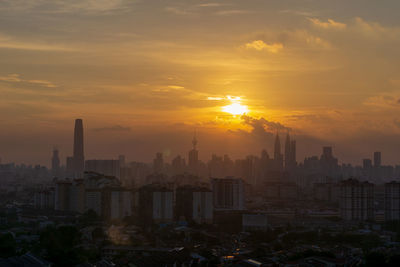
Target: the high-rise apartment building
(228, 193)
(194, 204)
(356, 200)
(392, 201)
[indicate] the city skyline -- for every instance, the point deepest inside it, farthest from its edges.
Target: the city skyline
(284, 152)
(199, 133)
(157, 70)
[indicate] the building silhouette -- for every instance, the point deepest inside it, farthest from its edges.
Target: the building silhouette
(392, 201)
(194, 204)
(193, 162)
(79, 158)
(55, 163)
(278, 157)
(377, 159)
(158, 163)
(356, 200)
(228, 193)
(290, 154)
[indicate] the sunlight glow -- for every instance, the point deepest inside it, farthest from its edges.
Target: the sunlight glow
(235, 109)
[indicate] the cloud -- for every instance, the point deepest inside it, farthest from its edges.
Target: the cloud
(232, 12)
(211, 5)
(384, 101)
(178, 11)
(260, 45)
(15, 78)
(71, 6)
(317, 41)
(263, 125)
(215, 98)
(10, 78)
(176, 87)
(330, 24)
(115, 128)
(12, 43)
(299, 12)
(376, 31)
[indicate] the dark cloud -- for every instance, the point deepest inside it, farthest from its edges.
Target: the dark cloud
(115, 128)
(264, 125)
(262, 130)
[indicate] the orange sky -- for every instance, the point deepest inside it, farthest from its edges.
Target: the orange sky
(144, 74)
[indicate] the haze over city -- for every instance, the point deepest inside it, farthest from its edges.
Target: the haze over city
(199, 133)
(144, 75)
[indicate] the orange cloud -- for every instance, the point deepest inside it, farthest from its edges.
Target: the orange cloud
(260, 45)
(330, 24)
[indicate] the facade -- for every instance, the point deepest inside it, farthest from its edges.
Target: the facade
(228, 193)
(62, 195)
(356, 200)
(194, 204)
(120, 204)
(44, 199)
(93, 201)
(392, 201)
(155, 204)
(102, 194)
(77, 196)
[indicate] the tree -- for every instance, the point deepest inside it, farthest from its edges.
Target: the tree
(61, 245)
(7, 246)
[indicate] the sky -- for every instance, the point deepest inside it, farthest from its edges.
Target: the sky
(144, 75)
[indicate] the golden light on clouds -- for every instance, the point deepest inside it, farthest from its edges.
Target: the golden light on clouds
(330, 24)
(260, 45)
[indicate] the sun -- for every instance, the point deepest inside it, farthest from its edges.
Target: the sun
(235, 109)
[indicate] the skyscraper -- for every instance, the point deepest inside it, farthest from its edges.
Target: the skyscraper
(392, 201)
(278, 157)
(377, 159)
(158, 163)
(55, 163)
(356, 200)
(287, 151)
(290, 154)
(193, 157)
(79, 158)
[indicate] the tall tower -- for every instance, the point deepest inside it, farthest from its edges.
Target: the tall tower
(193, 156)
(79, 158)
(377, 159)
(55, 162)
(277, 150)
(278, 157)
(293, 153)
(287, 152)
